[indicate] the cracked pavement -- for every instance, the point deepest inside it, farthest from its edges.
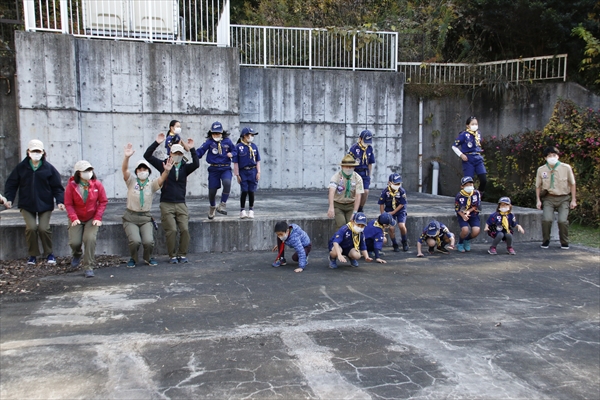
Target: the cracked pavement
(227, 325)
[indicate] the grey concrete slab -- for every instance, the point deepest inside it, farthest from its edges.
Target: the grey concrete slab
(228, 325)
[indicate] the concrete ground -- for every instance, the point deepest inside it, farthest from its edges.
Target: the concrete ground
(228, 325)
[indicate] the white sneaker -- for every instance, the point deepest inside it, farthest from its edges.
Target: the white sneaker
(251, 214)
(243, 214)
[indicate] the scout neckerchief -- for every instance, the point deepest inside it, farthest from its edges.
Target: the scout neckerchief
(393, 193)
(476, 136)
(468, 196)
(505, 220)
(251, 150)
(364, 149)
(142, 187)
(348, 192)
(378, 225)
(219, 147)
(552, 169)
(85, 186)
(177, 166)
(355, 236)
(33, 166)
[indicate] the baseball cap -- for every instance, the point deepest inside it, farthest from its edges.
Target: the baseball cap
(504, 200)
(386, 219)
(82, 166)
(216, 127)
(466, 180)
(395, 178)
(35, 144)
(366, 136)
(143, 163)
(247, 130)
(433, 228)
(360, 218)
(177, 148)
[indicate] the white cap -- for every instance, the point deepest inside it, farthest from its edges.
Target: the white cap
(35, 144)
(82, 166)
(177, 148)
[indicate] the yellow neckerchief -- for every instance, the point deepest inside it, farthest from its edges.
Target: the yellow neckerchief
(378, 225)
(355, 236)
(552, 169)
(219, 146)
(364, 149)
(393, 193)
(505, 220)
(250, 149)
(468, 196)
(476, 136)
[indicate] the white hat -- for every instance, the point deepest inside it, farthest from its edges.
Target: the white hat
(144, 163)
(82, 166)
(35, 144)
(177, 148)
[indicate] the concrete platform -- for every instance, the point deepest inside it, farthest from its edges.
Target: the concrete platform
(228, 233)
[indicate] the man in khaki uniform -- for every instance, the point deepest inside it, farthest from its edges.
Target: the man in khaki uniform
(345, 190)
(555, 191)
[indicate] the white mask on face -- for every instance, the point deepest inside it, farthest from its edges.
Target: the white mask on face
(143, 175)
(395, 187)
(217, 138)
(469, 189)
(552, 160)
(177, 159)
(474, 128)
(348, 171)
(36, 156)
(504, 209)
(357, 229)
(177, 130)
(282, 238)
(250, 138)
(87, 175)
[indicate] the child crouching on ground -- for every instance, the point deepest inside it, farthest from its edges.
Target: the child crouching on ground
(295, 237)
(375, 235)
(438, 237)
(500, 226)
(393, 201)
(466, 205)
(349, 241)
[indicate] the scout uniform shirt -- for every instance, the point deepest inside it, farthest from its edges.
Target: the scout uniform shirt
(339, 183)
(133, 194)
(557, 181)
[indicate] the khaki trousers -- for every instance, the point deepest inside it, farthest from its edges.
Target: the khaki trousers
(560, 204)
(140, 231)
(35, 230)
(343, 213)
(175, 216)
(84, 234)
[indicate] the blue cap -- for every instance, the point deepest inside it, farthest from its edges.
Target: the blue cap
(504, 200)
(466, 180)
(246, 131)
(433, 228)
(386, 219)
(216, 127)
(366, 136)
(395, 179)
(360, 218)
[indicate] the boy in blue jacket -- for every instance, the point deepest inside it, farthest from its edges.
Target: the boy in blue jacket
(438, 237)
(393, 201)
(467, 204)
(375, 235)
(349, 241)
(295, 237)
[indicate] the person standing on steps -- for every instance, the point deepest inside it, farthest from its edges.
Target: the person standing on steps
(363, 152)
(467, 146)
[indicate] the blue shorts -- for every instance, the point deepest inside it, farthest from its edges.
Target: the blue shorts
(215, 176)
(365, 178)
(248, 177)
(400, 216)
(472, 221)
(473, 166)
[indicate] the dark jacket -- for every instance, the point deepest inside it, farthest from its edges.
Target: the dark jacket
(174, 189)
(37, 189)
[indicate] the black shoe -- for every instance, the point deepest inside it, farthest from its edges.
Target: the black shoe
(442, 250)
(396, 248)
(564, 246)
(431, 250)
(545, 244)
(405, 246)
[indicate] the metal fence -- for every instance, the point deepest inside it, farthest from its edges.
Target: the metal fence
(268, 46)
(192, 21)
(507, 71)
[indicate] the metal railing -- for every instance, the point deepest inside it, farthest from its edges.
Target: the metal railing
(507, 71)
(190, 21)
(269, 46)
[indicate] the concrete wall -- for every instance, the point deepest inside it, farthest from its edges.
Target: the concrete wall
(9, 128)
(445, 117)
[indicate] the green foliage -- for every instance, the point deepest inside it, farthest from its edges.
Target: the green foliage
(512, 161)
(591, 61)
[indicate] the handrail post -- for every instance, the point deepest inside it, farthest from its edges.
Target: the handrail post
(354, 52)
(29, 15)
(64, 16)
(310, 49)
(265, 47)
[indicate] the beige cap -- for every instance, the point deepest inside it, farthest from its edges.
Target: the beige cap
(177, 148)
(349, 161)
(35, 144)
(142, 163)
(82, 166)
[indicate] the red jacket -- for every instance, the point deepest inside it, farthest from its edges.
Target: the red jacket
(94, 206)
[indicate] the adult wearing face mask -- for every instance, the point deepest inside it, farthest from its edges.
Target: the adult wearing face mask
(39, 185)
(555, 190)
(85, 201)
(137, 221)
(345, 191)
(468, 147)
(174, 213)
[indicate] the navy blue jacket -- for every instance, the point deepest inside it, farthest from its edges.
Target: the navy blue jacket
(37, 189)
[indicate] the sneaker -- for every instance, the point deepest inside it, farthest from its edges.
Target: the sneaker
(511, 251)
(492, 251)
(152, 262)
(243, 214)
(545, 244)
(467, 245)
(173, 260)
(306, 260)
(396, 248)
(371, 254)
(431, 250)
(565, 246)
(75, 262)
(222, 208)
(382, 253)
(131, 263)
(332, 263)
(32, 260)
(251, 214)
(279, 262)
(442, 250)
(354, 263)
(405, 246)
(89, 273)
(211, 212)
(182, 260)
(460, 247)
(51, 259)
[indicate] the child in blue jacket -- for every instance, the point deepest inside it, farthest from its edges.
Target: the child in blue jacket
(363, 152)
(375, 235)
(295, 237)
(438, 237)
(393, 201)
(500, 226)
(467, 204)
(349, 241)
(246, 168)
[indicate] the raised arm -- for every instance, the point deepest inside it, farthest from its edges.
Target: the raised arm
(125, 166)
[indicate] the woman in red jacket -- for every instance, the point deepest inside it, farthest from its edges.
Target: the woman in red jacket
(85, 200)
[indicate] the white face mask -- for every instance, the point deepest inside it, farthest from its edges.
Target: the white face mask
(395, 187)
(250, 138)
(177, 159)
(87, 175)
(469, 189)
(282, 238)
(217, 138)
(348, 171)
(143, 175)
(36, 156)
(474, 128)
(504, 209)
(552, 160)
(177, 130)
(357, 229)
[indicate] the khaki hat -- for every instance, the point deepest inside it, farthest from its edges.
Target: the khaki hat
(349, 161)
(177, 148)
(82, 166)
(142, 163)
(35, 145)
